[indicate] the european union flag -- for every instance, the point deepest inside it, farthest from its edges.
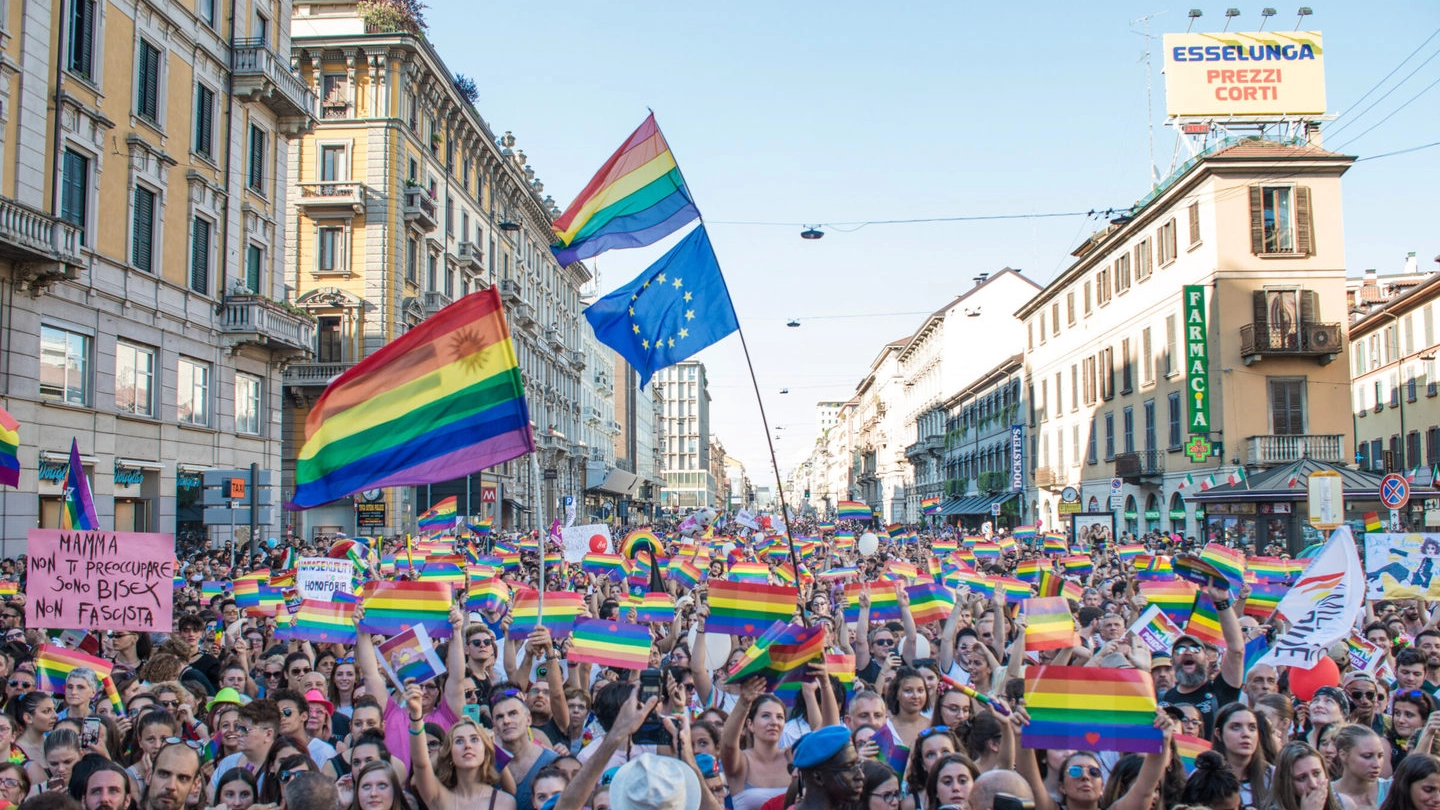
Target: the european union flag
(677, 307)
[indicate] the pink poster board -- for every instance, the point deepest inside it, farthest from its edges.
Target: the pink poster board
(100, 580)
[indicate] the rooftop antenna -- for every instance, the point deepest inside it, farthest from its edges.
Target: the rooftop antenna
(1149, 91)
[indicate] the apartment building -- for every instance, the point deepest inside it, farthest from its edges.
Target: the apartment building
(685, 446)
(142, 212)
(1196, 336)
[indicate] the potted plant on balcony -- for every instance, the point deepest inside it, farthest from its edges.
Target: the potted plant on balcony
(392, 16)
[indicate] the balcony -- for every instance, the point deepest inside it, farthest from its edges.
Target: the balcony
(1268, 451)
(1047, 476)
(1321, 340)
(420, 209)
(434, 301)
(260, 75)
(612, 427)
(48, 247)
(510, 291)
(316, 375)
(555, 339)
(603, 386)
(1138, 465)
(576, 358)
(592, 415)
(258, 321)
(471, 258)
(523, 315)
(330, 199)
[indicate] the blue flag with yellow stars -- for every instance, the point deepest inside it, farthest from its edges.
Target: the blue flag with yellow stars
(677, 307)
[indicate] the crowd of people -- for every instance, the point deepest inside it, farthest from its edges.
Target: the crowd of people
(220, 713)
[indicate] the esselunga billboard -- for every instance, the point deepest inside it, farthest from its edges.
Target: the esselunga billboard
(1244, 74)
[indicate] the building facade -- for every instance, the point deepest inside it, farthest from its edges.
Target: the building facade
(404, 201)
(685, 437)
(880, 471)
(640, 413)
(977, 448)
(1120, 344)
(142, 206)
(605, 483)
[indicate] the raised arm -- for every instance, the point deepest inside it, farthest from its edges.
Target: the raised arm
(732, 759)
(629, 719)
(559, 706)
(455, 661)
(862, 630)
(704, 684)
(947, 635)
(368, 664)
(907, 647)
(1232, 663)
(422, 772)
(1027, 766)
(1142, 790)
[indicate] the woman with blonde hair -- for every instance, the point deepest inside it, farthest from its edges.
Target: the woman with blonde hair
(1360, 753)
(464, 774)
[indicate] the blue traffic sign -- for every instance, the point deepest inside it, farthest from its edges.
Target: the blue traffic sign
(1394, 491)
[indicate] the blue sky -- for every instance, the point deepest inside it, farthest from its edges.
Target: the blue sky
(845, 111)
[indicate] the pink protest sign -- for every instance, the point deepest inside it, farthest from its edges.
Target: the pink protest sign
(100, 580)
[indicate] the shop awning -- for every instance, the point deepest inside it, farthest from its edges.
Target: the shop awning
(617, 482)
(1289, 482)
(977, 504)
(517, 505)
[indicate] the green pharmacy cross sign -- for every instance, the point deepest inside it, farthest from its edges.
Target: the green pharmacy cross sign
(1198, 449)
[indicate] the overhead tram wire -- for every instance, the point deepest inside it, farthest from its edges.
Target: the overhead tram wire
(851, 226)
(1386, 78)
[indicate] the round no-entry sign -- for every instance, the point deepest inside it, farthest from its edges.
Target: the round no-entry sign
(1394, 491)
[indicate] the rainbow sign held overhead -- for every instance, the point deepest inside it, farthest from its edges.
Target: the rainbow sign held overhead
(1091, 709)
(854, 510)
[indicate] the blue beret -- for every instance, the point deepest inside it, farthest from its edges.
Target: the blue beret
(820, 745)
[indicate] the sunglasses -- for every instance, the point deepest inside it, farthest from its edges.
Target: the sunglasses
(170, 704)
(1188, 648)
(481, 641)
(1077, 771)
(884, 642)
(193, 745)
(933, 730)
(287, 712)
(269, 674)
(21, 685)
(471, 695)
(298, 671)
(1359, 695)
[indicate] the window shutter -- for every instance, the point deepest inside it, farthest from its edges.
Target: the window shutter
(149, 82)
(1257, 220)
(1194, 223)
(200, 257)
(204, 110)
(1309, 306)
(144, 229)
(257, 157)
(84, 37)
(1304, 230)
(1261, 307)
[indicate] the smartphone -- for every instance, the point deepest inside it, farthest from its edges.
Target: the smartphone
(651, 731)
(90, 732)
(1005, 801)
(473, 712)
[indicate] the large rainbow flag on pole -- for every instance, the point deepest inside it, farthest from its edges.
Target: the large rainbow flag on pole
(442, 401)
(9, 449)
(636, 199)
(443, 515)
(78, 510)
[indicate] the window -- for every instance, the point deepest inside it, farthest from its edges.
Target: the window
(1042, 327)
(1166, 238)
(192, 394)
(206, 10)
(1074, 390)
(330, 241)
(1087, 373)
(1075, 443)
(1150, 425)
(432, 273)
(1144, 262)
(1428, 319)
(328, 346)
(1087, 298)
(1122, 273)
(1280, 220)
(1127, 367)
(1107, 373)
(80, 59)
(134, 379)
(74, 190)
(247, 404)
(1287, 406)
(332, 163)
(1102, 287)
(1410, 389)
(1090, 452)
(1168, 363)
(1412, 449)
(1055, 318)
(1110, 436)
(449, 282)
(142, 232)
(1432, 445)
(1070, 308)
(257, 159)
(412, 259)
(64, 366)
(1128, 424)
(147, 83)
(1194, 223)
(1059, 395)
(254, 261)
(1147, 357)
(1174, 414)
(262, 28)
(1044, 404)
(200, 229)
(204, 118)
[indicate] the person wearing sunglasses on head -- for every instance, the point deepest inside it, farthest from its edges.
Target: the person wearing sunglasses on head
(294, 711)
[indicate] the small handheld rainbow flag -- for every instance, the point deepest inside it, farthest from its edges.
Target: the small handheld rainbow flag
(839, 572)
(1026, 533)
(1090, 709)
(323, 623)
(686, 573)
(1028, 571)
(443, 515)
(391, 608)
(1077, 565)
(1155, 630)
(1049, 624)
(9, 449)
(987, 551)
(842, 666)
(1130, 552)
(778, 652)
(853, 510)
(1188, 748)
(604, 565)
(561, 610)
(488, 594)
(77, 511)
(53, 666)
(1372, 522)
(1204, 621)
(1175, 598)
(9, 588)
(746, 609)
(930, 506)
(1055, 544)
(825, 526)
(444, 572)
(884, 603)
(1264, 598)
(751, 572)
(1271, 569)
(1154, 568)
(609, 643)
(1228, 561)
(930, 602)
(844, 541)
(943, 546)
(657, 606)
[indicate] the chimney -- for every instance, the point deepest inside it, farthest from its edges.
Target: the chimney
(1370, 275)
(980, 279)
(1411, 264)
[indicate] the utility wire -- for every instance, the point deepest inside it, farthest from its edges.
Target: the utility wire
(1380, 83)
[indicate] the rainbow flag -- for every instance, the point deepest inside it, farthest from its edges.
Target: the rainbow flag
(1055, 544)
(1028, 571)
(488, 594)
(391, 608)
(1264, 598)
(902, 570)
(1204, 621)
(211, 589)
(53, 666)
(840, 572)
(746, 609)
(853, 510)
(1188, 748)
(778, 652)
(446, 572)
(1271, 569)
(825, 526)
(78, 510)
(1130, 552)
(1049, 624)
(443, 515)
(9, 588)
(842, 666)
(637, 539)
(9, 449)
(1014, 590)
(1372, 522)
(1154, 568)
(610, 644)
(987, 551)
(482, 527)
(323, 623)
(930, 602)
(1077, 565)
(1026, 533)
(1175, 598)
(509, 560)
(1228, 561)
(657, 606)
(930, 506)
(686, 573)
(637, 198)
(943, 546)
(1255, 649)
(561, 610)
(884, 603)
(1090, 709)
(479, 572)
(1008, 545)
(752, 572)
(441, 401)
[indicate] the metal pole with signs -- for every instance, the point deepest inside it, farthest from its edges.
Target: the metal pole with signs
(1394, 493)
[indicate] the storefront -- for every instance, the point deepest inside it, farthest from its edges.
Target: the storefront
(189, 508)
(137, 491)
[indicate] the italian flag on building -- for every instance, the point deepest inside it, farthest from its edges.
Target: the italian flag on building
(1237, 477)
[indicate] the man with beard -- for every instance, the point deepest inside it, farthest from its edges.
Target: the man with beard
(1193, 684)
(1162, 672)
(829, 769)
(171, 778)
(106, 788)
(1428, 643)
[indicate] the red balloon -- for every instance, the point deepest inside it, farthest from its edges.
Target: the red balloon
(598, 543)
(1304, 682)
